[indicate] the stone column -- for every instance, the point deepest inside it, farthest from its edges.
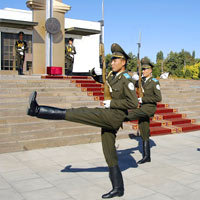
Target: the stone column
(39, 35)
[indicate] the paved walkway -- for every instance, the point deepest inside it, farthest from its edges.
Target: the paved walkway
(79, 172)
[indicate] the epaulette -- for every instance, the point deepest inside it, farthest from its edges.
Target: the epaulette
(155, 80)
(127, 75)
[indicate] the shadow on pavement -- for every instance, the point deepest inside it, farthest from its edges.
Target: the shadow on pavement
(126, 160)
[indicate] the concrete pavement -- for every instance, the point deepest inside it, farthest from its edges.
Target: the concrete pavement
(79, 172)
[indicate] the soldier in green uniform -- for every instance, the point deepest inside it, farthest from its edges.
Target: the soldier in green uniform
(20, 48)
(147, 109)
(110, 118)
(70, 50)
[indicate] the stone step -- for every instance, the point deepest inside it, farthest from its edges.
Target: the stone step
(176, 91)
(180, 99)
(69, 130)
(39, 85)
(74, 104)
(12, 112)
(49, 99)
(35, 124)
(24, 145)
(27, 91)
(189, 107)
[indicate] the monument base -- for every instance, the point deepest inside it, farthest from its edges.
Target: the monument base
(54, 71)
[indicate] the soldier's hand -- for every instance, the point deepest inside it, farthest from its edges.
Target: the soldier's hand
(98, 71)
(135, 77)
(140, 100)
(107, 103)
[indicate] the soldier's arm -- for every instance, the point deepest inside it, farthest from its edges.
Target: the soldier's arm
(155, 97)
(130, 101)
(74, 50)
(25, 46)
(97, 78)
(16, 48)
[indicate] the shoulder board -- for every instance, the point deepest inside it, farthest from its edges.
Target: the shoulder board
(127, 75)
(155, 80)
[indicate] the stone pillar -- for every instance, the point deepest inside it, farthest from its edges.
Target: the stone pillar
(39, 35)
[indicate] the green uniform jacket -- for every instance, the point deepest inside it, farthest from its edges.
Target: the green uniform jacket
(123, 98)
(152, 95)
(70, 51)
(20, 48)
(123, 92)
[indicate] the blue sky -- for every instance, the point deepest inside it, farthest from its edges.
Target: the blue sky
(165, 25)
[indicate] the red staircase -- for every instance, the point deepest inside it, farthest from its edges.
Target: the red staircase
(165, 121)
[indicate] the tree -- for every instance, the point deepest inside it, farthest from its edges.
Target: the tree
(159, 56)
(132, 63)
(193, 54)
(108, 62)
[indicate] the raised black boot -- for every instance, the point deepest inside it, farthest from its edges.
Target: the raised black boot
(146, 153)
(44, 112)
(117, 183)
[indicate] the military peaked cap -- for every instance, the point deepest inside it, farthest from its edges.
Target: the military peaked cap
(146, 64)
(118, 52)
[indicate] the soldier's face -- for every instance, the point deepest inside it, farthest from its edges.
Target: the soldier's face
(146, 72)
(118, 64)
(21, 37)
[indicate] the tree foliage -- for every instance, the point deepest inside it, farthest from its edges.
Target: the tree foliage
(181, 64)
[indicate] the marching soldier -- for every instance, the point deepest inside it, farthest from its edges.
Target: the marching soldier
(70, 50)
(20, 48)
(110, 119)
(148, 104)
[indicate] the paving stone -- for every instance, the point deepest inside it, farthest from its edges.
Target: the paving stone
(10, 194)
(30, 185)
(4, 184)
(44, 194)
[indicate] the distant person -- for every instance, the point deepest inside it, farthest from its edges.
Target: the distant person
(70, 50)
(20, 48)
(164, 75)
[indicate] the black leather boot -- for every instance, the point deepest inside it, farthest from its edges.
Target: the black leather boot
(44, 112)
(146, 153)
(117, 183)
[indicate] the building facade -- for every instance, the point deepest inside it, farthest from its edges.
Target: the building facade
(86, 35)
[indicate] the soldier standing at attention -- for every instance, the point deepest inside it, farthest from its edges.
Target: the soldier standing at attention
(70, 50)
(147, 109)
(20, 48)
(109, 119)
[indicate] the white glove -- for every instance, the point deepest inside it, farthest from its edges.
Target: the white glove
(140, 100)
(21, 53)
(107, 103)
(22, 47)
(98, 71)
(135, 77)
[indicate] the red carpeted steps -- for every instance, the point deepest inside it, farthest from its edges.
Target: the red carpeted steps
(65, 77)
(165, 121)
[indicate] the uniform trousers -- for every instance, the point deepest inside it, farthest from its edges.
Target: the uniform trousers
(20, 63)
(109, 120)
(143, 121)
(69, 66)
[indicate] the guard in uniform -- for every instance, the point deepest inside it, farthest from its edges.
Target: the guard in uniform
(147, 109)
(20, 48)
(70, 50)
(110, 118)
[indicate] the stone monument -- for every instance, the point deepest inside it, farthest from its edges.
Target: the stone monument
(49, 34)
